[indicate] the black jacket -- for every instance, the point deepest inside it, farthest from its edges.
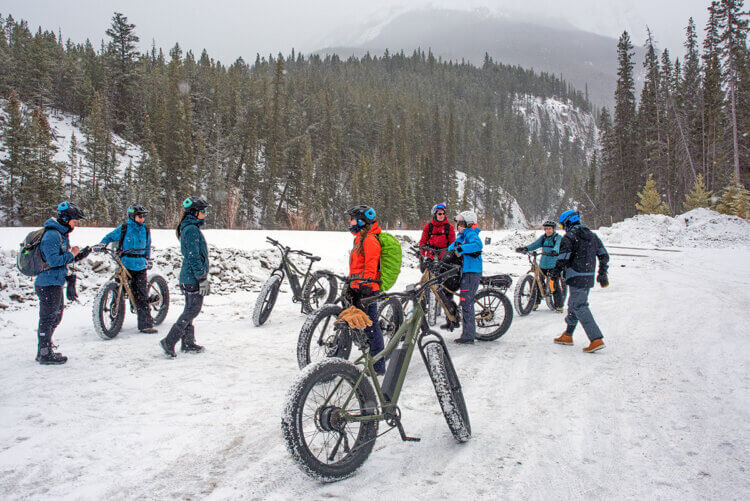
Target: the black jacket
(579, 249)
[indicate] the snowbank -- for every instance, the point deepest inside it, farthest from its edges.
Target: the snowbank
(697, 228)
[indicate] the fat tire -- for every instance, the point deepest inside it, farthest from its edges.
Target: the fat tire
(102, 296)
(525, 284)
(307, 305)
(448, 391)
(507, 314)
(389, 325)
(161, 284)
(328, 312)
(270, 289)
(292, 427)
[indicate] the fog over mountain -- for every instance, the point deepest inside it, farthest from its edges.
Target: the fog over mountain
(581, 57)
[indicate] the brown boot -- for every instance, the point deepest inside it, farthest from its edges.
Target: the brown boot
(565, 338)
(596, 344)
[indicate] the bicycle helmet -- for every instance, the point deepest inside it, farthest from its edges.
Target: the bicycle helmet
(194, 205)
(67, 211)
(363, 214)
(569, 218)
(549, 224)
(136, 210)
(468, 216)
(436, 208)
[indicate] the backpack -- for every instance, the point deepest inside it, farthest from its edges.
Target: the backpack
(124, 231)
(30, 261)
(446, 230)
(390, 260)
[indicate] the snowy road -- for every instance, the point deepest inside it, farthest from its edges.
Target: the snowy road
(663, 411)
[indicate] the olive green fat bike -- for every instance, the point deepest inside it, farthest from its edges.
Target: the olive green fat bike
(312, 290)
(109, 303)
(492, 309)
(334, 409)
(534, 286)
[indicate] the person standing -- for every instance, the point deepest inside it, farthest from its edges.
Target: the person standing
(439, 232)
(193, 276)
(550, 245)
(57, 253)
(134, 239)
(579, 250)
(469, 245)
(364, 262)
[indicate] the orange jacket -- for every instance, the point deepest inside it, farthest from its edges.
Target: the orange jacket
(366, 266)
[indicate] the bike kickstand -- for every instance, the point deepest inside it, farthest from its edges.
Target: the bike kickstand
(403, 433)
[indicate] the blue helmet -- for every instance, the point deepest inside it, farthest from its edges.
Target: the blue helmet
(436, 208)
(569, 218)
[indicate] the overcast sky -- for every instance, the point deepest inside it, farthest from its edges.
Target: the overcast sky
(232, 28)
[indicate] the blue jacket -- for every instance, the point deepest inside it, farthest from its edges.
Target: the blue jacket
(470, 243)
(54, 248)
(136, 237)
(550, 249)
(194, 251)
(579, 250)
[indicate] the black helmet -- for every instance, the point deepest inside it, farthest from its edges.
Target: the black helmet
(67, 211)
(549, 223)
(136, 210)
(363, 214)
(194, 205)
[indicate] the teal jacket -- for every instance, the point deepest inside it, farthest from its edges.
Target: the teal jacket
(550, 249)
(470, 243)
(194, 251)
(55, 249)
(136, 237)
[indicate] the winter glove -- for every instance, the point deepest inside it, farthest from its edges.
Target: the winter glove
(355, 318)
(149, 264)
(99, 247)
(204, 288)
(365, 290)
(70, 290)
(603, 280)
(82, 254)
(522, 250)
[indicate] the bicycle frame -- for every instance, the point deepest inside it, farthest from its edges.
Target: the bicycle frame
(292, 272)
(537, 271)
(122, 277)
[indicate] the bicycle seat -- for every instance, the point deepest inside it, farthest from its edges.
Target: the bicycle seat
(313, 258)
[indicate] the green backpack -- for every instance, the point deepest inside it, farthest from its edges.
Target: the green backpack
(390, 260)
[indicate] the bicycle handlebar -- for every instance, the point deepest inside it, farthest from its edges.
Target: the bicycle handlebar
(289, 250)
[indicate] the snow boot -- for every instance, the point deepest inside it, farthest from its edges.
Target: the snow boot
(596, 345)
(169, 350)
(149, 330)
(450, 325)
(188, 342)
(463, 341)
(565, 338)
(47, 356)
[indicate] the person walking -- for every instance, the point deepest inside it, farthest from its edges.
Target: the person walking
(193, 276)
(57, 253)
(364, 262)
(469, 245)
(134, 246)
(579, 250)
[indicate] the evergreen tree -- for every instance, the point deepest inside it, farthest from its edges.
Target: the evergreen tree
(122, 55)
(698, 196)
(735, 200)
(97, 160)
(41, 188)
(650, 200)
(14, 164)
(74, 170)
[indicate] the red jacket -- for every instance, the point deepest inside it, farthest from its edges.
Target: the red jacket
(438, 237)
(367, 266)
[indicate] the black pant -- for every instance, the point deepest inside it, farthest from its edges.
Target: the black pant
(183, 328)
(557, 295)
(51, 306)
(139, 285)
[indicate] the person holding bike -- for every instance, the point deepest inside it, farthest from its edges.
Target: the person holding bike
(193, 276)
(57, 253)
(550, 245)
(579, 250)
(469, 245)
(364, 262)
(134, 246)
(439, 232)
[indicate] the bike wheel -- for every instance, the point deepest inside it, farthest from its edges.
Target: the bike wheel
(321, 337)
(266, 299)
(525, 295)
(319, 290)
(448, 390)
(390, 317)
(430, 306)
(323, 443)
(109, 312)
(493, 314)
(158, 298)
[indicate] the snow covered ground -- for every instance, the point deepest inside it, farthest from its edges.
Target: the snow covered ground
(662, 412)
